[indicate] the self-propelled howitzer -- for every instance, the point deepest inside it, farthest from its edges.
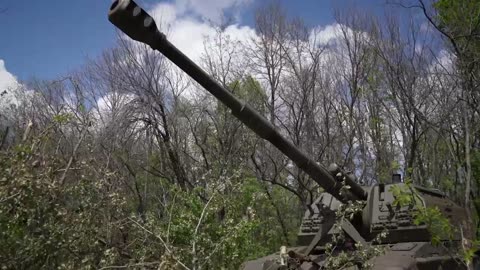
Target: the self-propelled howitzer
(407, 243)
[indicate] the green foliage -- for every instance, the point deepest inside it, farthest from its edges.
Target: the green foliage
(193, 222)
(458, 16)
(469, 253)
(460, 20)
(45, 224)
(340, 258)
(250, 91)
(62, 118)
(405, 195)
(89, 220)
(437, 224)
(446, 184)
(395, 165)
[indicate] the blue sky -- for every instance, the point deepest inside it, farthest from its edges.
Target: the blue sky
(49, 38)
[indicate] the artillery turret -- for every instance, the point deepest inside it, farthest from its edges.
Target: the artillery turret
(408, 244)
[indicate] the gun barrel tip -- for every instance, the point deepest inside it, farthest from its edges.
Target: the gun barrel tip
(114, 4)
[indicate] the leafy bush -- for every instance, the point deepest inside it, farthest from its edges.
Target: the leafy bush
(59, 216)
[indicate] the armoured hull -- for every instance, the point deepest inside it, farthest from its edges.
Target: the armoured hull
(401, 256)
(406, 245)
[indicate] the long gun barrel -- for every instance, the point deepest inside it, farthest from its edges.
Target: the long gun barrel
(137, 24)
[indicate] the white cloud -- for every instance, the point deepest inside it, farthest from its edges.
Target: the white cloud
(188, 32)
(334, 35)
(180, 20)
(188, 26)
(6, 78)
(188, 35)
(203, 10)
(209, 9)
(445, 60)
(426, 27)
(8, 88)
(325, 35)
(165, 14)
(110, 106)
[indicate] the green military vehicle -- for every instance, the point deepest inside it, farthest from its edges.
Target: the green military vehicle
(407, 245)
